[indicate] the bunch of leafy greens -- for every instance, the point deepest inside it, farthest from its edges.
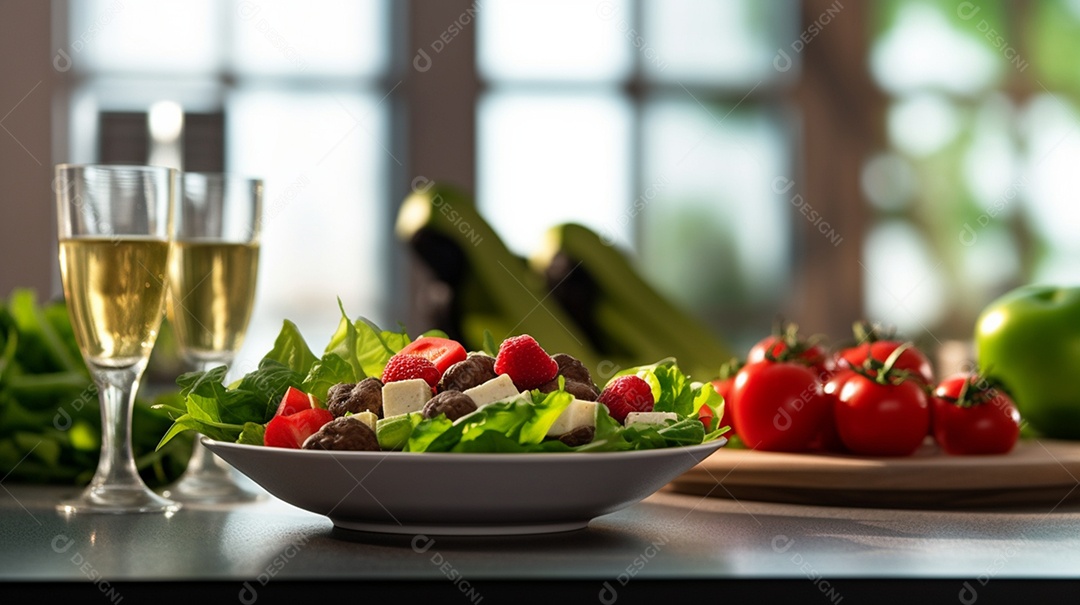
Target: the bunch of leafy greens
(359, 349)
(50, 420)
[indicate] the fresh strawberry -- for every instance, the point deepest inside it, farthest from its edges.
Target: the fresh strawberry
(291, 431)
(295, 401)
(408, 367)
(627, 394)
(526, 362)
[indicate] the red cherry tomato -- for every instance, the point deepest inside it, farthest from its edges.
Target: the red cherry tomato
(875, 419)
(295, 401)
(786, 345)
(705, 415)
(973, 417)
(723, 387)
(828, 439)
(814, 356)
(443, 352)
(291, 431)
(778, 406)
(911, 359)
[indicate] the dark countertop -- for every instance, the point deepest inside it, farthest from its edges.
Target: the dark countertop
(670, 541)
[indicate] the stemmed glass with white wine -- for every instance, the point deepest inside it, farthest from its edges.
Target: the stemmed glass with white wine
(115, 227)
(212, 278)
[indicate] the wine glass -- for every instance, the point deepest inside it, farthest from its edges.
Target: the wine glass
(115, 227)
(212, 278)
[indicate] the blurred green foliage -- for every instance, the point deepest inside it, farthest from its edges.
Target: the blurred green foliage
(50, 420)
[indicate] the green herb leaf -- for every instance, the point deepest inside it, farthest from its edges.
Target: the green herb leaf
(489, 344)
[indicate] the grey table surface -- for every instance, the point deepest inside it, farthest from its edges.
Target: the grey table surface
(668, 536)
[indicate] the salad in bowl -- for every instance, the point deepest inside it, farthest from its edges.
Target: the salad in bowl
(380, 390)
(507, 440)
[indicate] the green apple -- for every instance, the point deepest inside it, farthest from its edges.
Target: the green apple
(1029, 341)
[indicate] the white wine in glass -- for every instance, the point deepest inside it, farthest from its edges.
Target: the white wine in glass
(214, 284)
(114, 232)
(212, 278)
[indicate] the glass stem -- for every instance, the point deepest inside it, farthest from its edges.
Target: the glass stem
(204, 463)
(117, 394)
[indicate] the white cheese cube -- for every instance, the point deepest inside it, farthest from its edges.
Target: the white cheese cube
(497, 389)
(366, 417)
(404, 396)
(579, 413)
(655, 418)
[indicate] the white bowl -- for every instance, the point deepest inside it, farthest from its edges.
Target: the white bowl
(460, 493)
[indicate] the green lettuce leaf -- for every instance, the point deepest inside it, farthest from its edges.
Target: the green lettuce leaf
(252, 434)
(705, 396)
(673, 391)
(519, 420)
(331, 369)
(290, 350)
(365, 347)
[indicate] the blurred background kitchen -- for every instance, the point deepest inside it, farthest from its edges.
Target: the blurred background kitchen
(904, 161)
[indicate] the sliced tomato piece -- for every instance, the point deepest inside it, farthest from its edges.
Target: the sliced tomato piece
(291, 431)
(295, 401)
(443, 352)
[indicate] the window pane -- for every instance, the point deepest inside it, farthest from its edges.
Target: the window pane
(947, 46)
(316, 37)
(322, 157)
(553, 40)
(903, 282)
(546, 159)
(715, 234)
(99, 95)
(153, 38)
(1050, 183)
(732, 43)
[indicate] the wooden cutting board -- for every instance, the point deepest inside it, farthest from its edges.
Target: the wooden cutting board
(1038, 472)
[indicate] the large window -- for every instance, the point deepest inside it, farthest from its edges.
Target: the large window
(903, 160)
(302, 88)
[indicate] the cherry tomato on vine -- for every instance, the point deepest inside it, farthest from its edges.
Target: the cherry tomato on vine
(778, 406)
(971, 416)
(879, 345)
(882, 418)
(785, 344)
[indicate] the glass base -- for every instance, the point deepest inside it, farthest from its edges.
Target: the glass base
(123, 499)
(209, 480)
(210, 489)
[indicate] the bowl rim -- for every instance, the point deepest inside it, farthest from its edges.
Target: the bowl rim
(473, 456)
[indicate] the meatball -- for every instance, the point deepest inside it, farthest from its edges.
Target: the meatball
(579, 436)
(474, 370)
(338, 393)
(572, 369)
(581, 390)
(454, 404)
(343, 433)
(366, 396)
